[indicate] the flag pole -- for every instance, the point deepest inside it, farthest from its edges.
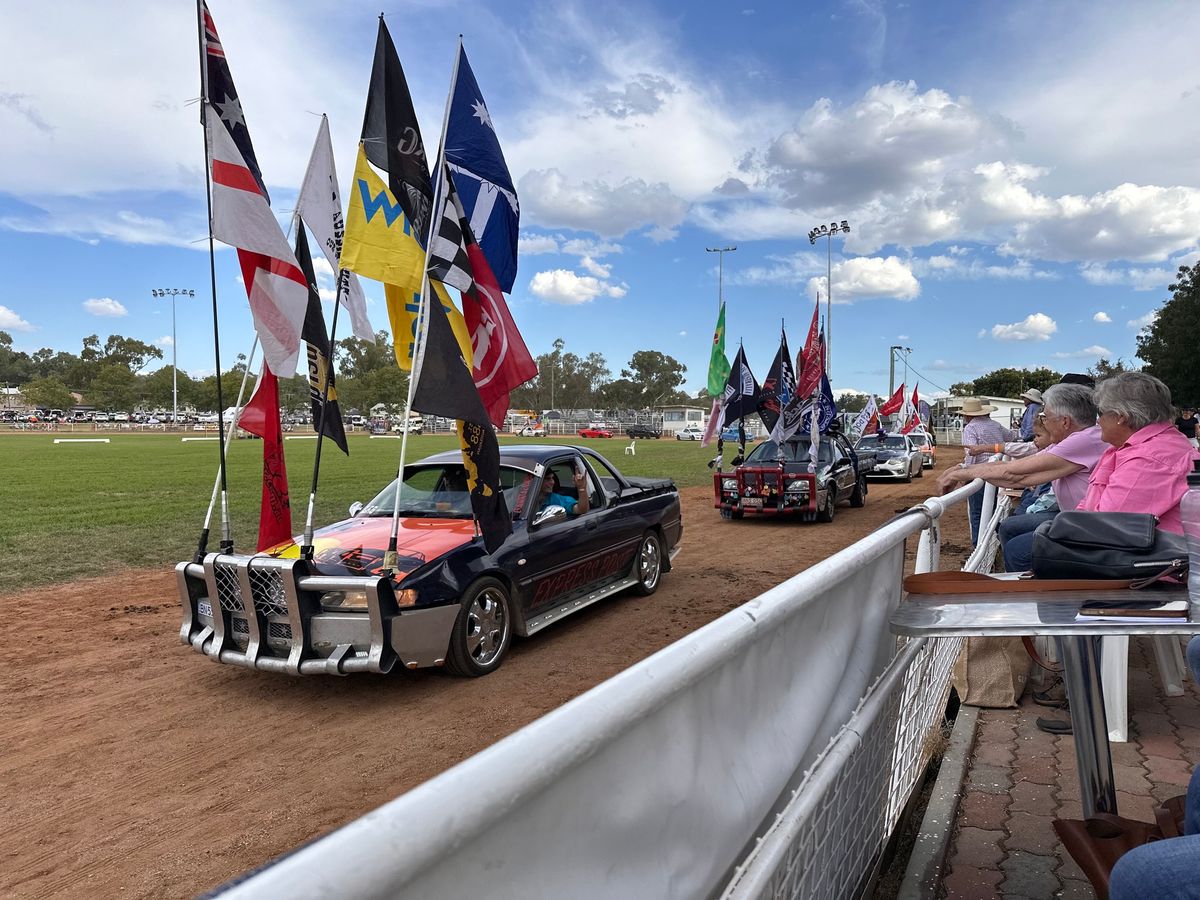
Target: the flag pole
(306, 548)
(226, 531)
(201, 549)
(389, 557)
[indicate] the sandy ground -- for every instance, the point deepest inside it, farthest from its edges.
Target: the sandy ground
(134, 767)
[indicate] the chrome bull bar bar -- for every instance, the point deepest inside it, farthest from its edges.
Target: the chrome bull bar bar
(258, 612)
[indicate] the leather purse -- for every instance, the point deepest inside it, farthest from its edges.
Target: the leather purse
(1107, 545)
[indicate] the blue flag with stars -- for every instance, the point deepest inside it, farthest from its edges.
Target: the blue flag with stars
(485, 188)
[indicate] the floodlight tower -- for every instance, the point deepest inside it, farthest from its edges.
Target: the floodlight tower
(173, 293)
(827, 232)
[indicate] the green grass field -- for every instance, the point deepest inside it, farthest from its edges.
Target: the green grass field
(86, 509)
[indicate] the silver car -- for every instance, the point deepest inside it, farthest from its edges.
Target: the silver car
(896, 456)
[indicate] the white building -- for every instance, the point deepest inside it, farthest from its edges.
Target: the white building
(677, 418)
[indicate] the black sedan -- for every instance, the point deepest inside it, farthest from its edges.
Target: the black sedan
(448, 602)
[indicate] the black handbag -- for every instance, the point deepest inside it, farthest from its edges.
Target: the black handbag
(1107, 545)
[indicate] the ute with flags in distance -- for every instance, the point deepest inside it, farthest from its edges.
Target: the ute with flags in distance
(580, 531)
(786, 478)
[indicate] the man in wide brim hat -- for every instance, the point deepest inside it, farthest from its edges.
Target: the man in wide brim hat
(1032, 399)
(973, 406)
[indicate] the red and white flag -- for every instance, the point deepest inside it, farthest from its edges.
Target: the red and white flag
(810, 364)
(261, 417)
(241, 217)
(894, 402)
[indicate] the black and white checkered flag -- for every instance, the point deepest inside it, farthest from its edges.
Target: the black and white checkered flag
(448, 261)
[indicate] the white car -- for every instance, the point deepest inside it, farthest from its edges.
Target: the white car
(691, 433)
(533, 431)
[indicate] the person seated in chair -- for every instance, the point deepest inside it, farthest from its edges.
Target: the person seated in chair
(552, 496)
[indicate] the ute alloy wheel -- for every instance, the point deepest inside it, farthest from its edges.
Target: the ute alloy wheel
(649, 565)
(858, 497)
(827, 512)
(482, 631)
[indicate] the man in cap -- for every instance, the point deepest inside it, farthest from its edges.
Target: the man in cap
(1032, 399)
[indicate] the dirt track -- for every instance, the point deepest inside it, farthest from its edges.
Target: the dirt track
(135, 768)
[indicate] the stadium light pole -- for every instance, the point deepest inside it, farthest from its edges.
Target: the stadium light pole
(827, 232)
(720, 251)
(173, 293)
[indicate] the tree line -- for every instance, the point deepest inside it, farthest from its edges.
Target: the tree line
(110, 376)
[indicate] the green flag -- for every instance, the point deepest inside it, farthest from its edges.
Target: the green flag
(718, 363)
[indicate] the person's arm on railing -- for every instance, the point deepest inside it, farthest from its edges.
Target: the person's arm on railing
(1017, 473)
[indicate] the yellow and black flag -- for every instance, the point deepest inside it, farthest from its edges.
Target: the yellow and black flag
(444, 388)
(327, 417)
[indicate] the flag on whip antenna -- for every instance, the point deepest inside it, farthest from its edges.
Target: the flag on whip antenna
(500, 360)
(326, 414)
(778, 387)
(481, 174)
(893, 403)
(740, 396)
(809, 364)
(718, 373)
(320, 207)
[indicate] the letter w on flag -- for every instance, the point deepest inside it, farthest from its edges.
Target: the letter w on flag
(500, 359)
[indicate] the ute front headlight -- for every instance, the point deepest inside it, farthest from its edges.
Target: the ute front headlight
(344, 600)
(729, 484)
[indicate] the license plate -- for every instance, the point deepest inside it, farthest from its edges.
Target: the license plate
(204, 608)
(755, 502)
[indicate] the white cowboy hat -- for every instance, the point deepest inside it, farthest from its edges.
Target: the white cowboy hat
(1033, 395)
(973, 406)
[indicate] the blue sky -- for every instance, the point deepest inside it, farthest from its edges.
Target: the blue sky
(1019, 178)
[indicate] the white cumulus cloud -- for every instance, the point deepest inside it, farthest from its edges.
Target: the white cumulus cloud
(1093, 352)
(551, 198)
(165, 341)
(1143, 321)
(865, 277)
(11, 321)
(1034, 327)
(571, 289)
(105, 307)
(1102, 317)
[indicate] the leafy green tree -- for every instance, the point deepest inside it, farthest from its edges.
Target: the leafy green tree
(962, 389)
(157, 389)
(15, 365)
(1009, 382)
(47, 393)
(1103, 368)
(113, 388)
(658, 375)
(1168, 344)
(357, 357)
(852, 402)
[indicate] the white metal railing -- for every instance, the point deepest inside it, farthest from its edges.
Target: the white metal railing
(657, 782)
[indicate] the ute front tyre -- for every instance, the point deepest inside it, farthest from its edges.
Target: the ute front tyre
(649, 565)
(826, 513)
(858, 497)
(482, 631)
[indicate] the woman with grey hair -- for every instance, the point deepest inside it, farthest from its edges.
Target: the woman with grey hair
(1146, 465)
(1069, 418)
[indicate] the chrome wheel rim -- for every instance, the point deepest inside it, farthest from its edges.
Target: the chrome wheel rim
(650, 564)
(487, 626)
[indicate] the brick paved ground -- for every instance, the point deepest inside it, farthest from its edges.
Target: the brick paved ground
(1020, 778)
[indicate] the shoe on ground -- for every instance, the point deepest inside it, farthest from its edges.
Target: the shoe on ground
(1054, 726)
(1050, 698)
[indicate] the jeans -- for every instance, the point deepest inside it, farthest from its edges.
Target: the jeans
(1170, 869)
(1016, 537)
(1164, 870)
(974, 511)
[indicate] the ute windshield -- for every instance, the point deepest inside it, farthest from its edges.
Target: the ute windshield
(440, 492)
(767, 453)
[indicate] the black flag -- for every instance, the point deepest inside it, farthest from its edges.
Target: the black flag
(316, 340)
(444, 388)
(391, 136)
(778, 386)
(741, 391)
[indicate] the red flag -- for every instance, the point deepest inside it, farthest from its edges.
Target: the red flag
(872, 423)
(808, 365)
(501, 359)
(915, 400)
(894, 402)
(913, 422)
(261, 417)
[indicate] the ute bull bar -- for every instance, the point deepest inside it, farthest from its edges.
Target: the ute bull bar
(265, 613)
(766, 489)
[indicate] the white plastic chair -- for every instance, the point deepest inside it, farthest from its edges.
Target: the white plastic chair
(1114, 676)
(631, 450)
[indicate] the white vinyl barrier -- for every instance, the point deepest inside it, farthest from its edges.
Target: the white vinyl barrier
(656, 782)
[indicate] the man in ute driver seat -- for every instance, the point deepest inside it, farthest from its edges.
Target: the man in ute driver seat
(551, 495)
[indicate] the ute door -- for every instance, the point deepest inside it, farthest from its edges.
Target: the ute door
(569, 558)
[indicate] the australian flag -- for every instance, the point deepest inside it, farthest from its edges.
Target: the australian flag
(481, 176)
(778, 386)
(219, 89)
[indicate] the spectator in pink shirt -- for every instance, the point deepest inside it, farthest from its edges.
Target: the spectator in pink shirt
(1145, 468)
